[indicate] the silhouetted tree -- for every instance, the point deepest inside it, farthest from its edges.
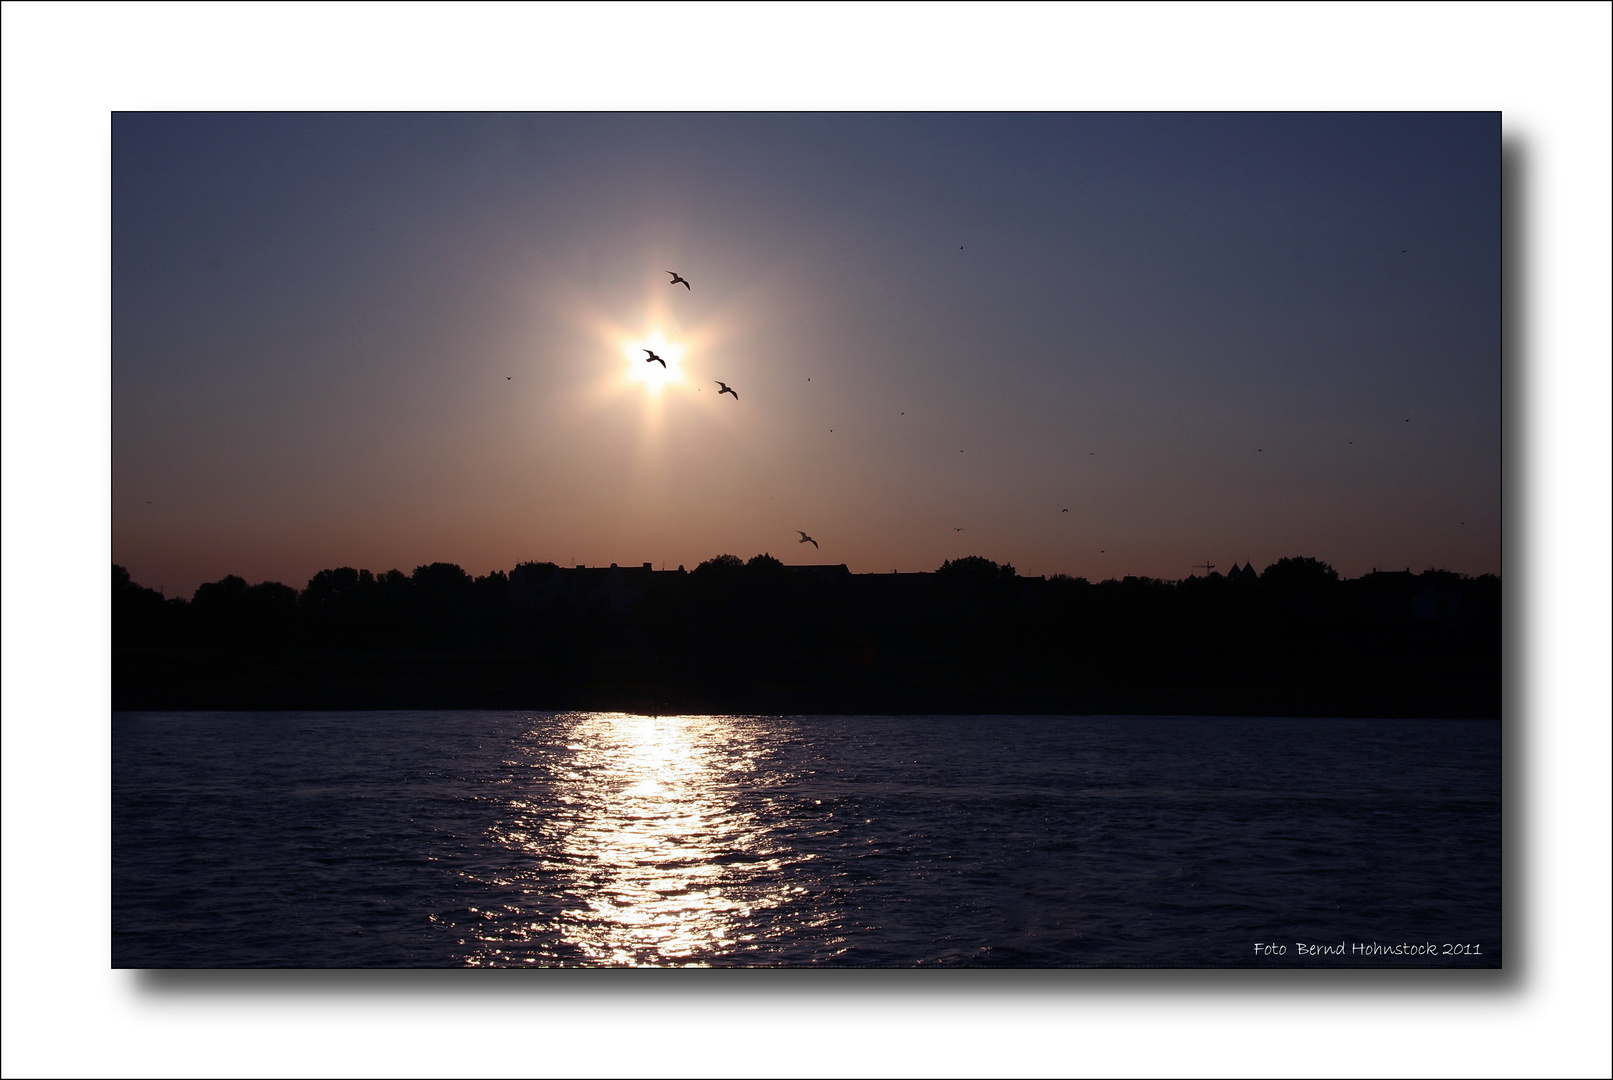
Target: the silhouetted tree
(714, 569)
(140, 616)
(1296, 574)
(974, 568)
(229, 612)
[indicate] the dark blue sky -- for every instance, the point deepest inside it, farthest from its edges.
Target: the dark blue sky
(386, 339)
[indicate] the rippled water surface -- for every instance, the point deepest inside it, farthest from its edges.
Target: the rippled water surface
(514, 839)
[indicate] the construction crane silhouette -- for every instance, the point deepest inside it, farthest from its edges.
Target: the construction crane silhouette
(1205, 566)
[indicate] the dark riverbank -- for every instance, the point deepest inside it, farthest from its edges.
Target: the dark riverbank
(730, 637)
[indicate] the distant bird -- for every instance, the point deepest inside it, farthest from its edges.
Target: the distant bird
(726, 389)
(507, 378)
(678, 279)
(655, 358)
(957, 530)
(1066, 510)
(805, 539)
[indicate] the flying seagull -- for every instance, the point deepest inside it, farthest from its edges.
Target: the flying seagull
(1064, 511)
(678, 279)
(726, 389)
(805, 539)
(958, 530)
(652, 356)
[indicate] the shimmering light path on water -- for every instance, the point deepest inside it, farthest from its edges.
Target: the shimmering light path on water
(516, 839)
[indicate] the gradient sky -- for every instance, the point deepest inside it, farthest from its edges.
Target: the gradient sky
(380, 340)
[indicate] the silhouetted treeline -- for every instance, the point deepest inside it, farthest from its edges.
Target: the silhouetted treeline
(760, 636)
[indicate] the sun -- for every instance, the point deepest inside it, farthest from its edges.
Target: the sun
(640, 368)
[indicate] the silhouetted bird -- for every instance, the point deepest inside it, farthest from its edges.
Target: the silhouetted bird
(726, 389)
(655, 358)
(805, 539)
(678, 279)
(957, 530)
(1066, 510)
(507, 378)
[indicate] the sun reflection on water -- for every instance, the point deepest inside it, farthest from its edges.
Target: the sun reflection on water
(638, 843)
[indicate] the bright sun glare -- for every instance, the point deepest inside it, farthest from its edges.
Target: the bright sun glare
(644, 370)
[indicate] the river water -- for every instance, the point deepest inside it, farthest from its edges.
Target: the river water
(445, 839)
